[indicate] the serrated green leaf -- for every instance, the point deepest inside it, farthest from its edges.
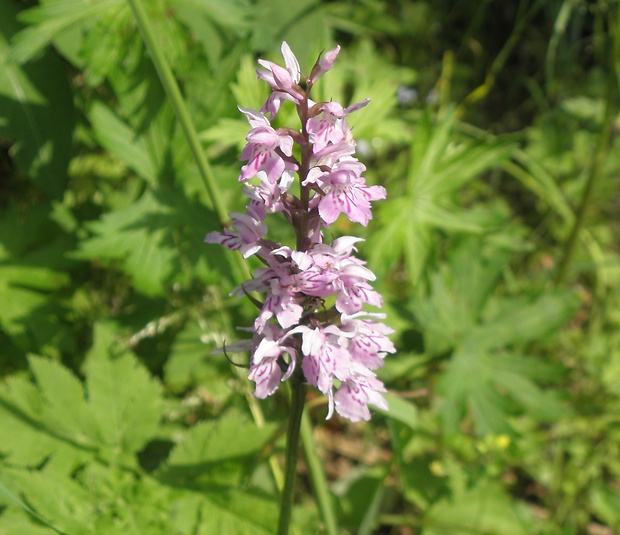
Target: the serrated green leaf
(32, 272)
(27, 438)
(158, 240)
(140, 237)
(467, 384)
(225, 134)
(440, 164)
(65, 407)
(450, 219)
(465, 163)
(117, 137)
(248, 90)
(96, 500)
(16, 523)
(429, 147)
(545, 406)
(399, 234)
(217, 441)
(212, 453)
(127, 411)
(58, 423)
(460, 313)
(234, 16)
(69, 511)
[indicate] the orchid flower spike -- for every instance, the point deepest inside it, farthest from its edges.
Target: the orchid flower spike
(311, 322)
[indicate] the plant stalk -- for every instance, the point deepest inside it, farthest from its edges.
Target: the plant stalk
(298, 396)
(604, 143)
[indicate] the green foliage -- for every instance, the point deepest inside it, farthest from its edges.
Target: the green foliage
(460, 315)
(437, 170)
(37, 111)
(114, 415)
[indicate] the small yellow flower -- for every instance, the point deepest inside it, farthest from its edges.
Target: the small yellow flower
(437, 469)
(502, 442)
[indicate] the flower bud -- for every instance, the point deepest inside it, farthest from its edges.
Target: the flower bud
(324, 63)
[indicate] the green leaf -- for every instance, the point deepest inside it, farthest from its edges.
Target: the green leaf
(212, 452)
(127, 412)
(140, 238)
(544, 405)
(158, 240)
(27, 440)
(222, 510)
(238, 512)
(51, 20)
(440, 164)
(420, 485)
(399, 232)
(57, 421)
(606, 505)
(519, 321)
(190, 362)
(96, 499)
(32, 272)
(119, 138)
(14, 524)
(468, 384)
(248, 91)
(215, 25)
(461, 314)
(485, 508)
(38, 112)
(68, 511)
(401, 410)
(65, 407)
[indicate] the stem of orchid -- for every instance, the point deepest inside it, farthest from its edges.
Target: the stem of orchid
(315, 469)
(298, 396)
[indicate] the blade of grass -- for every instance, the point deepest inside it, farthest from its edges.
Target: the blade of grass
(317, 475)
(601, 150)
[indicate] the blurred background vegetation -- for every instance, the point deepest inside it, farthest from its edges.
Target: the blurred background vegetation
(493, 125)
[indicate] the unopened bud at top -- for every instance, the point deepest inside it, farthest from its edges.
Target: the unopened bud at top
(324, 64)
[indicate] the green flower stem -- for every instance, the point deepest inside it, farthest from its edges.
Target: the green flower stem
(298, 396)
(317, 476)
(604, 143)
